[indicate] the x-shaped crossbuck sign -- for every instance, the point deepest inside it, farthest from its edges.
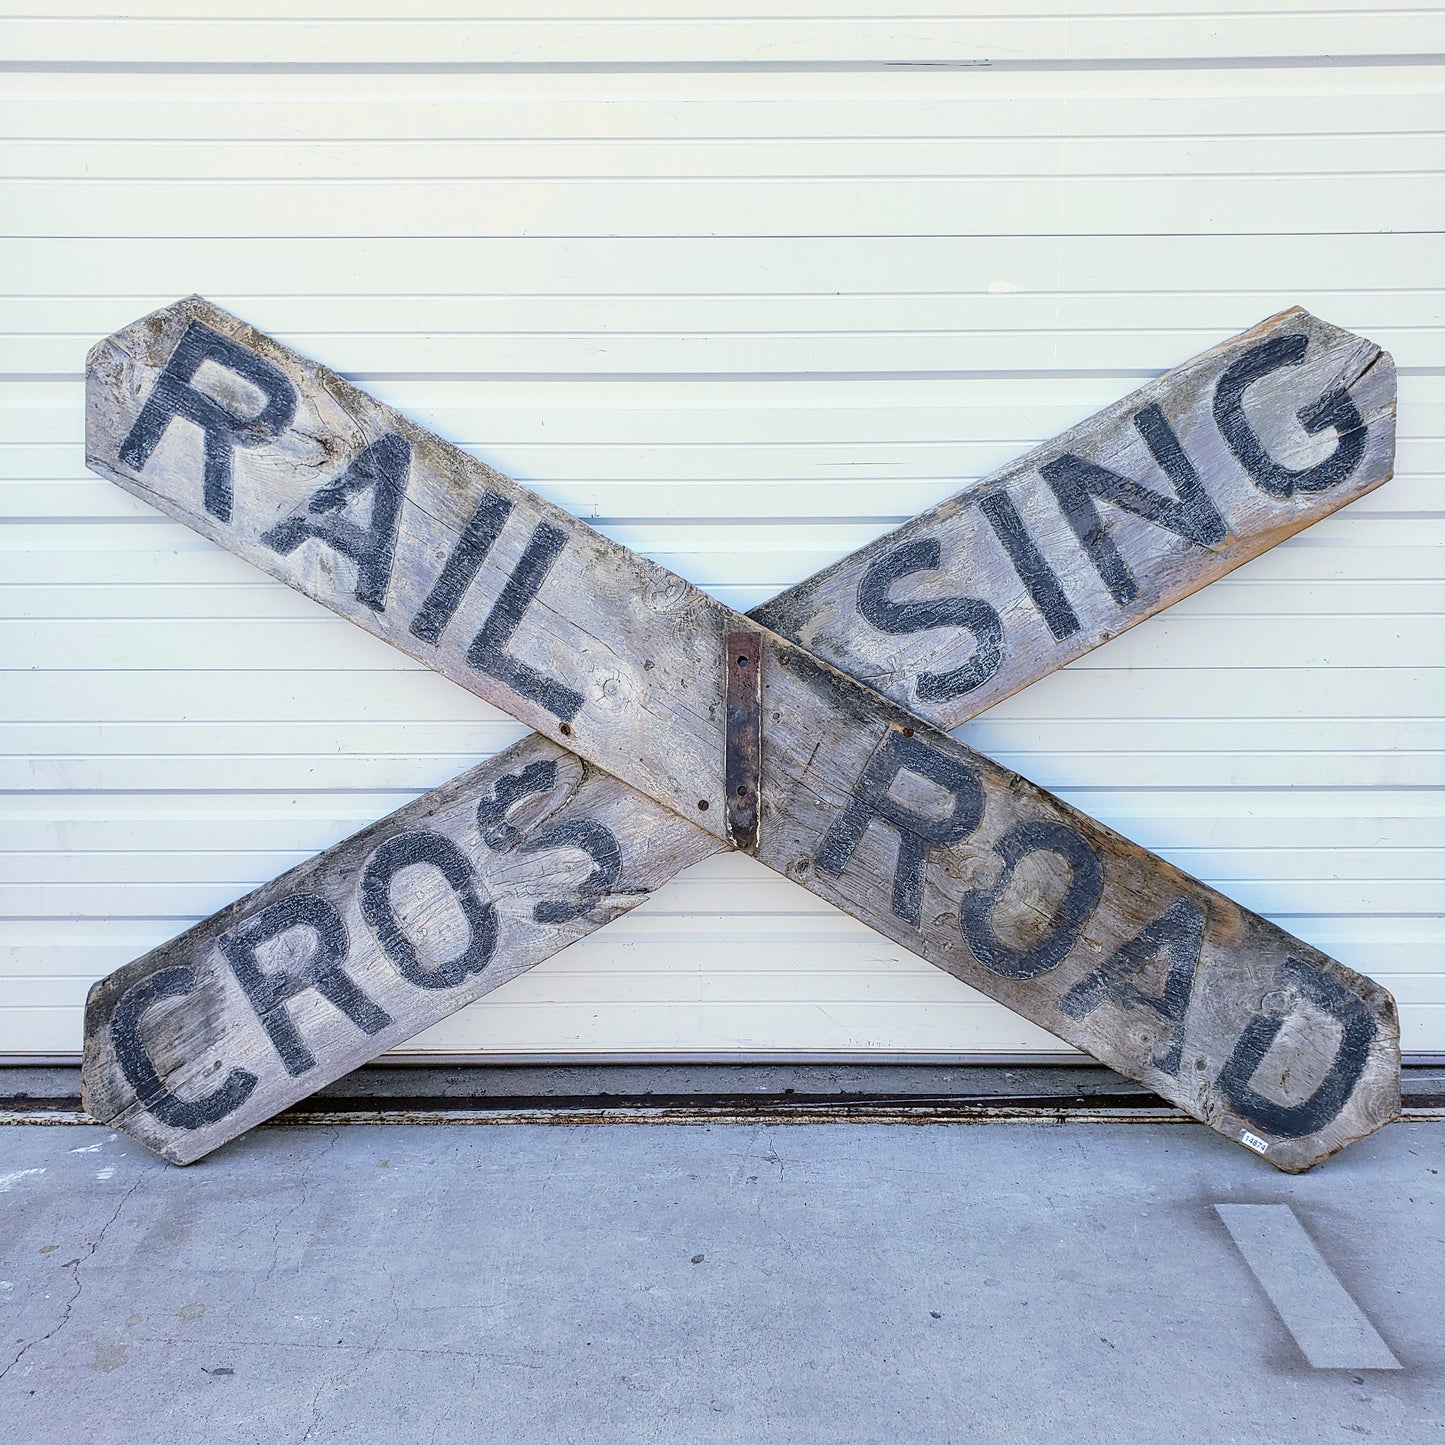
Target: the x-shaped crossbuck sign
(810, 734)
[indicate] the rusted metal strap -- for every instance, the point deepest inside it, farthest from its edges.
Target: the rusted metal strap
(744, 745)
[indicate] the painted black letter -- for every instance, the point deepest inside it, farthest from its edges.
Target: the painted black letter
(534, 779)
(1178, 933)
(1086, 881)
(896, 617)
(1293, 1121)
(487, 653)
(173, 396)
(1075, 482)
(600, 844)
(436, 851)
(140, 1072)
(1333, 409)
(1034, 572)
(461, 567)
(381, 469)
(916, 831)
(270, 990)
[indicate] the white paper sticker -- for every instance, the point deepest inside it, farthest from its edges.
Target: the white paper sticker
(1253, 1141)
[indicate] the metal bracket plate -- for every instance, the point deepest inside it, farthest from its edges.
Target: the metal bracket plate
(743, 766)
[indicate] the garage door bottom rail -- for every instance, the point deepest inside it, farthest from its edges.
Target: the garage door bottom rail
(711, 1093)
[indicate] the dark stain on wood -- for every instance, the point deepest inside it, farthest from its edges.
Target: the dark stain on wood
(743, 740)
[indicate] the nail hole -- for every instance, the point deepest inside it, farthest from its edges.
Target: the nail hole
(565, 730)
(702, 805)
(742, 791)
(742, 662)
(784, 659)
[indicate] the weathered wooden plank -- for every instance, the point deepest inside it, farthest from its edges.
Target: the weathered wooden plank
(1146, 502)
(1258, 1034)
(370, 942)
(864, 804)
(304, 475)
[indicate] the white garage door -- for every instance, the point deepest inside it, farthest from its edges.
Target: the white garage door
(747, 290)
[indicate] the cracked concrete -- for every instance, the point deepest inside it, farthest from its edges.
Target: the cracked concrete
(747, 1282)
(75, 1265)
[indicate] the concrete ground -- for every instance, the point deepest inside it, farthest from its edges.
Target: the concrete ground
(832, 1282)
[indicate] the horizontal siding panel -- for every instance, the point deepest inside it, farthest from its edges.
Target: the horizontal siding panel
(1212, 813)
(686, 503)
(364, 744)
(850, 11)
(47, 882)
(873, 1028)
(286, 772)
(946, 466)
(1389, 934)
(1351, 545)
(325, 644)
(181, 902)
(1414, 854)
(398, 107)
(1053, 33)
(682, 162)
(1278, 109)
(877, 499)
(520, 1031)
(1243, 205)
(1042, 12)
(225, 266)
(779, 503)
(374, 705)
(650, 983)
(699, 414)
(534, 1020)
(695, 484)
(1251, 593)
(617, 351)
(495, 1028)
(1211, 824)
(1146, 321)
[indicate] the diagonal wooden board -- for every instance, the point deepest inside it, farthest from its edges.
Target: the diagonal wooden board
(620, 661)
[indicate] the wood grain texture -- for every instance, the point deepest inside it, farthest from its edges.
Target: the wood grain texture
(863, 803)
(548, 847)
(615, 647)
(1054, 553)
(1063, 920)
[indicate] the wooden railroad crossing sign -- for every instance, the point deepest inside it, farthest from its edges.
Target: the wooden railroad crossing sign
(811, 733)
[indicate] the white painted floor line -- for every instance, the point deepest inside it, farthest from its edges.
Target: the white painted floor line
(1329, 1327)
